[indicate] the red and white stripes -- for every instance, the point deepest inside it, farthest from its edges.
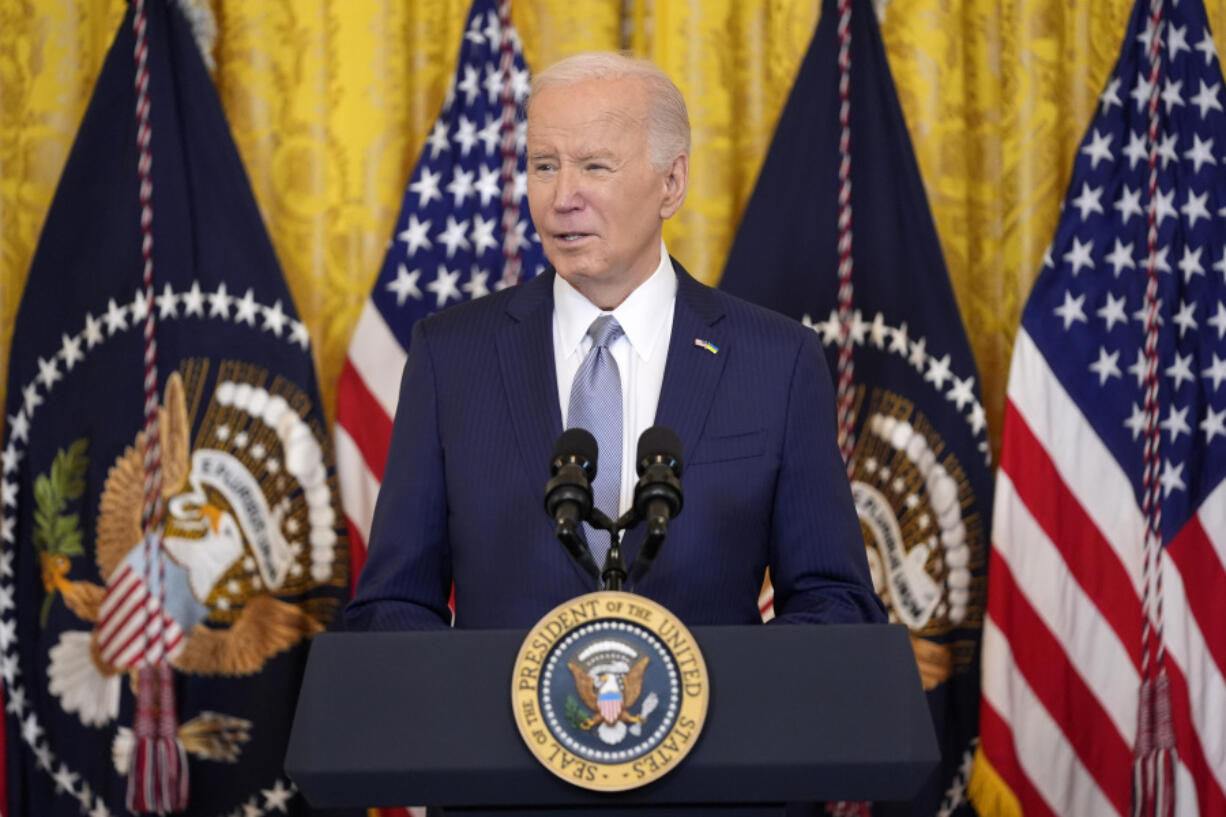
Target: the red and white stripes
(367, 394)
(124, 618)
(1062, 646)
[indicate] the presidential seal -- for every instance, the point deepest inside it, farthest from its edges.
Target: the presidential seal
(609, 691)
(923, 532)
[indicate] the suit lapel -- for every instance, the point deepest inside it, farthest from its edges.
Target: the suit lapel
(691, 373)
(526, 357)
(525, 353)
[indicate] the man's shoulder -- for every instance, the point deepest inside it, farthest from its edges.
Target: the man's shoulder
(743, 318)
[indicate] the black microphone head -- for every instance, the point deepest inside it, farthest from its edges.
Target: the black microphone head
(575, 445)
(659, 442)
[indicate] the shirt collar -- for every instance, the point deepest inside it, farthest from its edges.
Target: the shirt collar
(643, 315)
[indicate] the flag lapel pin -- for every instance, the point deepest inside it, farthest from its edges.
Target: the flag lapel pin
(706, 344)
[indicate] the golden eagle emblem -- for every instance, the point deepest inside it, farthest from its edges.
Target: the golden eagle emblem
(608, 677)
(250, 523)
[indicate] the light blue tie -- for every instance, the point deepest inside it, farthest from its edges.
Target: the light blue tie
(596, 405)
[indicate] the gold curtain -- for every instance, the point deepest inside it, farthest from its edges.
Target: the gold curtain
(330, 101)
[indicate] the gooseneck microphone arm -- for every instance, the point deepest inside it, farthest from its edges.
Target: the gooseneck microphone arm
(613, 574)
(657, 499)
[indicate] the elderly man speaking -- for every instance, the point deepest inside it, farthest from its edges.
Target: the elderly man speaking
(614, 338)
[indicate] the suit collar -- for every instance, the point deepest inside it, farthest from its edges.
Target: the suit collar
(704, 301)
(645, 315)
(532, 295)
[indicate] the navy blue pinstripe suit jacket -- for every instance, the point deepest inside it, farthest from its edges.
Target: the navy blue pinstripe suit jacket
(461, 499)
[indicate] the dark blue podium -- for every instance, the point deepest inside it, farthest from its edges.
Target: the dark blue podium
(797, 713)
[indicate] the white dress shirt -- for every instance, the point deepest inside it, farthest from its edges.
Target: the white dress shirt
(646, 318)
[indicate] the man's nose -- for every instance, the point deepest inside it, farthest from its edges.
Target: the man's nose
(568, 193)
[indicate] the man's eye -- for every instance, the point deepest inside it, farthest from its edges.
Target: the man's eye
(542, 167)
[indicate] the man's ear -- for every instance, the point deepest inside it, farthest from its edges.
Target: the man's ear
(676, 183)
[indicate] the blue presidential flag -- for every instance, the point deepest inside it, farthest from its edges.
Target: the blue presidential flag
(250, 561)
(840, 192)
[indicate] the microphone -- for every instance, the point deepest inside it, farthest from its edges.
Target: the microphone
(568, 494)
(657, 497)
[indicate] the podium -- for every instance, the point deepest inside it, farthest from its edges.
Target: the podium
(796, 713)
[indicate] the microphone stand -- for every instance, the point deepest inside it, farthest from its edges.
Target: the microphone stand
(613, 574)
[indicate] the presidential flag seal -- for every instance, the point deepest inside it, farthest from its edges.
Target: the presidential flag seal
(610, 691)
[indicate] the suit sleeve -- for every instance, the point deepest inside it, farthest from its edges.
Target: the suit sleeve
(818, 564)
(406, 580)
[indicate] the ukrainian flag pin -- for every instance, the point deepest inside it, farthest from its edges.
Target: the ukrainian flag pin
(706, 344)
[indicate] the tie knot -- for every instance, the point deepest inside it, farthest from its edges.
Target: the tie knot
(604, 330)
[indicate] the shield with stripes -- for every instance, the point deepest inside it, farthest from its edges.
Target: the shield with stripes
(610, 700)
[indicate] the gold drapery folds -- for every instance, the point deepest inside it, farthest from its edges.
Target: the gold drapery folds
(330, 102)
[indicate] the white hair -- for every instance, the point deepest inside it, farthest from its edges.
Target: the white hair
(668, 121)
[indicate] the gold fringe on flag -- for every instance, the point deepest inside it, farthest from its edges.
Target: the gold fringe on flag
(988, 792)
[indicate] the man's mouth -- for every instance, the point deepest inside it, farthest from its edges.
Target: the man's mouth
(570, 237)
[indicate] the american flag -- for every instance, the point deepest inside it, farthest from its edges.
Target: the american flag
(1063, 658)
(463, 231)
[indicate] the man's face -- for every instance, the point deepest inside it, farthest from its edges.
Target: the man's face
(596, 201)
